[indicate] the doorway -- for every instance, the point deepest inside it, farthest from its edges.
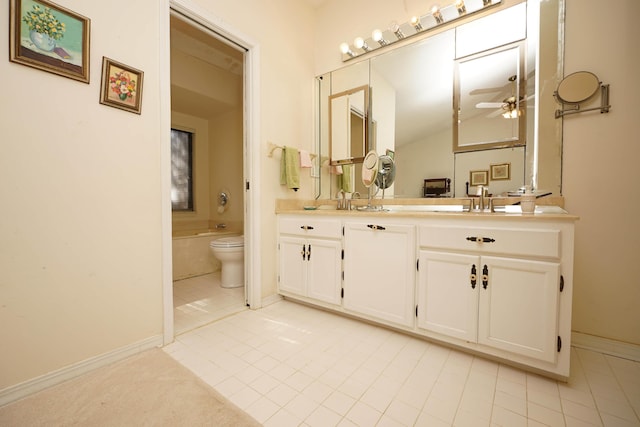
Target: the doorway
(203, 45)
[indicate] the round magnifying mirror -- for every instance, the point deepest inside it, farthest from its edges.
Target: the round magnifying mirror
(386, 172)
(370, 168)
(577, 87)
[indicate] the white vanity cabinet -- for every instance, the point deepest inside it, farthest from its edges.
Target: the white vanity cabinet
(494, 284)
(379, 269)
(497, 286)
(310, 252)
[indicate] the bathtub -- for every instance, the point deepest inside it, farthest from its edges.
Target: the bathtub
(191, 254)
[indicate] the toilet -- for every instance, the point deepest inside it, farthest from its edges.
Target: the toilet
(230, 252)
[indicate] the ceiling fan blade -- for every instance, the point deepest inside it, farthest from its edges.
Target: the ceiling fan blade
(489, 104)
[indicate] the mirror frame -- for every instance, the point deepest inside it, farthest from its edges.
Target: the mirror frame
(481, 144)
(365, 127)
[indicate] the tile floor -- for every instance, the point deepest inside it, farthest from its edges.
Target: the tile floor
(200, 300)
(290, 365)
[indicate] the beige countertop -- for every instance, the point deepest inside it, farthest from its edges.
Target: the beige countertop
(547, 208)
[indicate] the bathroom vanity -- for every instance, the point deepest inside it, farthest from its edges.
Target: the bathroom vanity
(496, 284)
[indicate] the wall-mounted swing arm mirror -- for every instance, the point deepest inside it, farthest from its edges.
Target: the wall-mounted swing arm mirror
(348, 121)
(580, 87)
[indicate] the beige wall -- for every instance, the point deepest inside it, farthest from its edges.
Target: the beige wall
(600, 151)
(600, 176)
(80, 252)
(225, 159)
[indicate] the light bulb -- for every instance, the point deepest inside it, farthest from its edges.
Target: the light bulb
(395, 29)
(376, 35)
(435, 11)
(346, 50)
(415, 21)
(359, 43)
(462, 9)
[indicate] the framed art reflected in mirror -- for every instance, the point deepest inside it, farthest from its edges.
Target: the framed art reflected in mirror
(500, 172)
(479, 177)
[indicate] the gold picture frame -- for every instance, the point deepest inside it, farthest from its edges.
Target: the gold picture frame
(49, 37)
(500, 172)
(121, 86)
(480, 177)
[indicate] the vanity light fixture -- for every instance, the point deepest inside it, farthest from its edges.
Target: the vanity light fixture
(346, 50)
(419, 24)
(376, 36)
(395, 29)
(359, 43)
(437, 15)
(415, 21)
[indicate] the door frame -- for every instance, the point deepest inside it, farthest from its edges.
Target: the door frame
(251, 150)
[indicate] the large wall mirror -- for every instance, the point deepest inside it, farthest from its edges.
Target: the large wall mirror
(412, 107)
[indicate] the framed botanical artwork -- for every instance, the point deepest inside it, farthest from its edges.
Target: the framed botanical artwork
(49, 37)
(479, 177)
(501, 172)
(121, 86)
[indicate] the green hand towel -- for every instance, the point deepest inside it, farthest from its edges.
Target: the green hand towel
(347, 178)
(290, 168)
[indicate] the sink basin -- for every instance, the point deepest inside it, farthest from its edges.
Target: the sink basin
(425, 208)
(539, 209)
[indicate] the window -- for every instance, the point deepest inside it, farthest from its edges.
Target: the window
(181, 170)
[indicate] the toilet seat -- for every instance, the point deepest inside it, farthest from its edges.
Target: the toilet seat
(228, 242)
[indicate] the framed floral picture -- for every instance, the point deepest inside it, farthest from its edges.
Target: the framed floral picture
(479, 177)
(49, 37)
(501, 172)
(121, 86)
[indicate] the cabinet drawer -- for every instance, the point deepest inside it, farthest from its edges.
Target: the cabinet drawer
(311, 227)
(514, 241)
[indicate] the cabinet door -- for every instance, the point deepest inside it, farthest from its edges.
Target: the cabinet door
(293, 265)
(447, 294)
(518, 309)
(324, 269)
(379, 271)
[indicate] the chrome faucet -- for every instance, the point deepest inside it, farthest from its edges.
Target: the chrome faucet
(342, 201)
(482, 194)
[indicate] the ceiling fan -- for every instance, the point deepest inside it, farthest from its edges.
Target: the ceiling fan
(508, 107)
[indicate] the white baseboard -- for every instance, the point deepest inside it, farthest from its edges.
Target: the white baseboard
(606, 346)
(271, 299)
(18, 391)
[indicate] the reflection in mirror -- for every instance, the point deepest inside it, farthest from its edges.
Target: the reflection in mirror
(409, 116)
(348, 123)
(386, 172)
(411, 104)
(369, 174)
(488, 100)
